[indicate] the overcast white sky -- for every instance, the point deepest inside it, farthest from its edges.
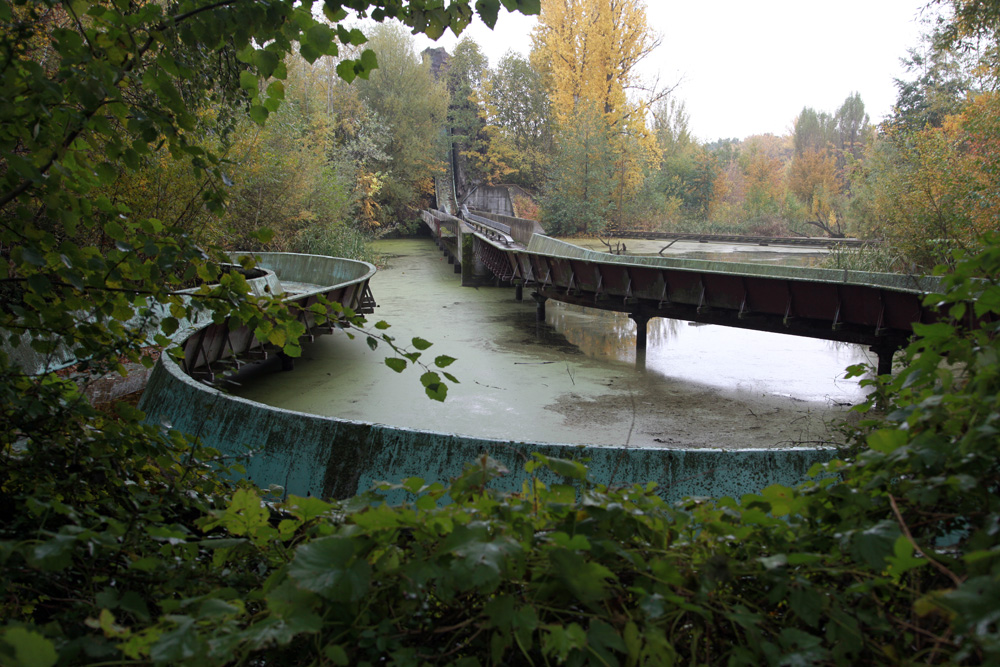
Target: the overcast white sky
(750, 67)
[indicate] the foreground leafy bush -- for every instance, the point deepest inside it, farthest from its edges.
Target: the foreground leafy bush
(122, 543)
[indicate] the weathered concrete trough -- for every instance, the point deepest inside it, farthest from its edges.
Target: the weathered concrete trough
(304, 280)
(331, 457)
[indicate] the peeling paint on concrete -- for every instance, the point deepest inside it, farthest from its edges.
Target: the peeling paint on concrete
(334, 457)
(329, 457)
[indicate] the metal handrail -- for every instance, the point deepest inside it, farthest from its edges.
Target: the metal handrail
(492, 224)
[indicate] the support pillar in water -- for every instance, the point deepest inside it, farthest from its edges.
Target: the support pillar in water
(539, 306)
(640, 331)
(885, 354)
(519, 292)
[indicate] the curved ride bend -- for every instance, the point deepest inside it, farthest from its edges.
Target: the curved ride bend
(332, 457)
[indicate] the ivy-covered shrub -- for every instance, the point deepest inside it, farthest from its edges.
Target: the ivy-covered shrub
(123, 544)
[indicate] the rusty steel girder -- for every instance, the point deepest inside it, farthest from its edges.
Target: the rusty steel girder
(817, 303)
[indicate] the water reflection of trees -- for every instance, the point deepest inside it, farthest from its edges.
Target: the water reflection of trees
(603, 333)
(850, 354)
(607, 334)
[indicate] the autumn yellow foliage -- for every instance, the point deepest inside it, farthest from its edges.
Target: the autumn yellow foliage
(937, 189)
(589, 50)
(813, 178)
(980, 127)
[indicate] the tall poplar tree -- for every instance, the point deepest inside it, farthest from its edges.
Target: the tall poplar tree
(467, 71)
(414, 106)
(589, 51)
(852, 125)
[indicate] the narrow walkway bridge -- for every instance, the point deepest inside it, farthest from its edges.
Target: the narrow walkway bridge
(877, 310)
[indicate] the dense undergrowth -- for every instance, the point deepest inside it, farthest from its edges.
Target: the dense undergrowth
(876, 257)
(123, 542)
(120, 542)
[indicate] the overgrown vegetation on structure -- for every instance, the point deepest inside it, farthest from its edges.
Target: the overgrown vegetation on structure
(123, 542)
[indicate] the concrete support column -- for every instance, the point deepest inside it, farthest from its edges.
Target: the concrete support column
(885, 354)
(640, 331)
(539, 306)
(519, 292)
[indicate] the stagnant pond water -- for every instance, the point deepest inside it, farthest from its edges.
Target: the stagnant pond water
(574, 378)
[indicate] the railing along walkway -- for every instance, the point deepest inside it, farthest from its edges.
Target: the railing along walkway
(493, 230)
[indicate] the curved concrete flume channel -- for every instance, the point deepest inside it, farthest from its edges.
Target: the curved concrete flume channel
(337, 458)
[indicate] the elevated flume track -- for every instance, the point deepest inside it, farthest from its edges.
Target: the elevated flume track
(873, 309)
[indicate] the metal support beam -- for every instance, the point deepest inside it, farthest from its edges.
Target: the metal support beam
(873, 314)
(539, 306)
(885, 354)
(641, 322)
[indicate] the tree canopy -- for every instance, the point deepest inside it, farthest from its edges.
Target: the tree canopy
(589, 51)
(121, 124)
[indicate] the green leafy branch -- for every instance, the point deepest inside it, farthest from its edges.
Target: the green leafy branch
(348, 320)
(434, 386)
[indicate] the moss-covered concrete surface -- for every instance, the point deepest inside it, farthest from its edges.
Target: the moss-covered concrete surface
(329, 457)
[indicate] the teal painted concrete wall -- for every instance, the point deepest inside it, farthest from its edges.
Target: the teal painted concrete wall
(329, 457)
(337, 458)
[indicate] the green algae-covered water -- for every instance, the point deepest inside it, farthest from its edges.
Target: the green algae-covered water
(573, 378)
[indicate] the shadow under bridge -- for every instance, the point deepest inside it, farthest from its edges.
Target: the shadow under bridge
(873, 309)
